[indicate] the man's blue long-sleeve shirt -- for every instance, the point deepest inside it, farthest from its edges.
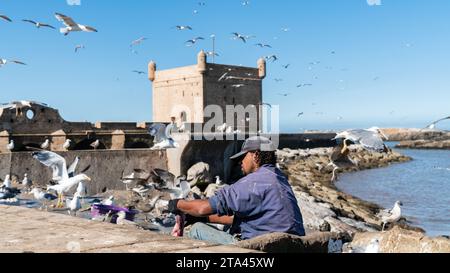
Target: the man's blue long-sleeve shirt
(262, 202)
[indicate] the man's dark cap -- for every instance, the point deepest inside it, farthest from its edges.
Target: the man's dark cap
(253, 144)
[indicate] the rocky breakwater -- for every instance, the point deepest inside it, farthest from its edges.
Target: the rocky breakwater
(397, 240)
(419, 138)
(324, 207)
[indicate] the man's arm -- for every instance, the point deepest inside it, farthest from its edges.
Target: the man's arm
(223, 220)
(197, 208)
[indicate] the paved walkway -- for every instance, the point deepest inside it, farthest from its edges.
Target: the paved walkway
(29, 230)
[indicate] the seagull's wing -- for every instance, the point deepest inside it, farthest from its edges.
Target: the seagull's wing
(437, 121)
(66, 20)
(73, 167)
(29, 21)
(56, 162)
(165, 176)
(18, 62)
(371, 141)
(47, 25)
(5, 18)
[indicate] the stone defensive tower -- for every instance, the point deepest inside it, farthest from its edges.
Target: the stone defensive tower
(183, 93)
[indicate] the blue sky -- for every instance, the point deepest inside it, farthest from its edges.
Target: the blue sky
(389, 68)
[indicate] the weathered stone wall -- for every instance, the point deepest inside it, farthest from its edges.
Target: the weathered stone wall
(106, 166)
(223, 93)
(180, 86)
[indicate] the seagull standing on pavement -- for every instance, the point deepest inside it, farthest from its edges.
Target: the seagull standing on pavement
(95, 144)
(10, 146)
(45, 145)
(66, 145)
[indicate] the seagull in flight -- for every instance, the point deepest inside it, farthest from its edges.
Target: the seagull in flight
(432, 126)
(4, 62)
(138, 41)
(210, 53)
(193, 41)
(284, 95)
(6, 18)
(272, 57)
(78, 47)
(304, 84)
(38, 24)
(60, 173)
(183, 27)
(139, 72)
(71, 25)
(370, 139)
(239, 36)
(261, 45)
(286, 66)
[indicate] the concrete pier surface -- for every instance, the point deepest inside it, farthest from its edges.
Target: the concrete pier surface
(32, 231)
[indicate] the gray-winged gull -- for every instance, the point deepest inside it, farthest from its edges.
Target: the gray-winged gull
(38, 24)
(369, 139)
(60, 174)
(45, 145)
(432, 126)
(391, 216)
(71, 25)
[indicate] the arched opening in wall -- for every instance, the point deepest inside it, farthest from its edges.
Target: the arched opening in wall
(137, 145)
(30, 114)
(86, 144)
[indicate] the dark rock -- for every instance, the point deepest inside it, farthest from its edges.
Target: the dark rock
(316, 242)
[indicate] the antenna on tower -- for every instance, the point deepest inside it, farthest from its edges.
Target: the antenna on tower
(213, 36)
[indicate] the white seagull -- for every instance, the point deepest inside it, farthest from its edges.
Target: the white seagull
(109, 201)
(45, 145)
(370, 139)
(391, 216)
(78, 47)
(26, 182)
(38, 24)
(432, 126)
(95, 144)
(7, 182)
(4, 62)
(66, 145)
(58, 164)
(71, 26)
(163, 137)
(138, 41)
(183, 27)
(42, 196)
(193, 41)
(74, 205)
(10, 146)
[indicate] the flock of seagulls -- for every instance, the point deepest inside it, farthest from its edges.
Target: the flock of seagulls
(70, 26)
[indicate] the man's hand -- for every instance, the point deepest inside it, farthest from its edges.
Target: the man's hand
(173, 207)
